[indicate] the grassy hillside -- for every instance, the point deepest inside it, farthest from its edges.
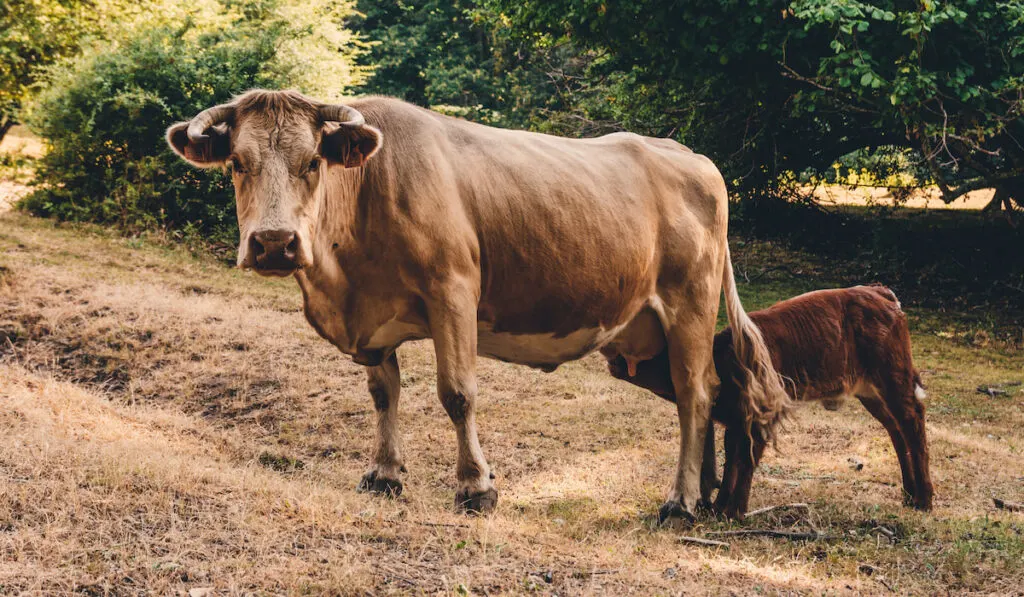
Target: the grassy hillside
(171, 424)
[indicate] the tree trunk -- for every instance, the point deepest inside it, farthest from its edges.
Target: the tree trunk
(5, 126)
(996, 204)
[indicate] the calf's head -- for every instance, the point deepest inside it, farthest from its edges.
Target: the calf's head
(279, 146)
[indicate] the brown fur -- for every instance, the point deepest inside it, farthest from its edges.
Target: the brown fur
(519, 246)
(828, 344)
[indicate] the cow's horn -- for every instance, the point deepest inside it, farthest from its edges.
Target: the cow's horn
(343, 115)
(207, 118)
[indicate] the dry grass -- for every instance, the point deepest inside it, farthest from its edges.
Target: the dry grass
(170, 424)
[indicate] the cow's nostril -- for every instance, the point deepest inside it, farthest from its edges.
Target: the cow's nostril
(293, 246)
(255, 247)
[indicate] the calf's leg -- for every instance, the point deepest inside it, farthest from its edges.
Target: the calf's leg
(878, 410)
(747, 460)
(908, 411)
(384, 382)
(709, 480)
(729, 472)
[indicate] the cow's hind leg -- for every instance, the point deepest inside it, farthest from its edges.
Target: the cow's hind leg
(383, 477)
(878, 410)
(693, 378)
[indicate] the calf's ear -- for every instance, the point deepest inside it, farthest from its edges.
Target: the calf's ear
(208, 153)
(350, 147)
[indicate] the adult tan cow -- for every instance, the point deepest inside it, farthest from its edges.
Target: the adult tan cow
(400, 224)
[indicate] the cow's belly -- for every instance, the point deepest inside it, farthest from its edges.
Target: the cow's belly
(640, 337)
(543, 351)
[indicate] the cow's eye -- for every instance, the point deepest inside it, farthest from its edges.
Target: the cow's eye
(314, 164)
(236, 166)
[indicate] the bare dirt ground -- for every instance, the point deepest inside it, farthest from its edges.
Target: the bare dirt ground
(19, 140)
(169, 424)
(17, 144)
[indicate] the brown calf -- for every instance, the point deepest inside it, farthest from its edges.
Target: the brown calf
(827, 344)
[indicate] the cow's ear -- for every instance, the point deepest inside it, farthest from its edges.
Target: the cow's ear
(208, 153)
(350, 146)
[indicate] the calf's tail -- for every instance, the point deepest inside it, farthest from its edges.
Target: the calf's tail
(763, 399)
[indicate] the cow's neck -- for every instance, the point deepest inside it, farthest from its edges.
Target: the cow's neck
(336, 248)
(336, 224)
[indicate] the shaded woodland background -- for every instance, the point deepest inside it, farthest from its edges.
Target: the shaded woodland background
(787, 97)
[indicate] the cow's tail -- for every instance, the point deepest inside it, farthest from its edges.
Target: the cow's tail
(764, 399)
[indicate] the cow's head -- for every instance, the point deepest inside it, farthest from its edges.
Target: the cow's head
(279, 145)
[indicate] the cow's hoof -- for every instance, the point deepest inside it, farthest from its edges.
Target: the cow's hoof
(705, 507)
(480, 502)
(381, 485)
(674, 509)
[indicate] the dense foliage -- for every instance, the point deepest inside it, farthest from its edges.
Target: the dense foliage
(33, 34)
(769, 86)
(455, 57)
(103, 113)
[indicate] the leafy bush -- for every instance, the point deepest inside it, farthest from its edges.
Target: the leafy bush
(104, 113)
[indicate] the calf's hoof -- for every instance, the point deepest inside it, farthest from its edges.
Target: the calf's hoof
(674, 509)
(478, 502)
(705, 506)
(923, 503)
(373, 483)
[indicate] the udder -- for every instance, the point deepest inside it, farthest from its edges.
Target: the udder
(642, 339)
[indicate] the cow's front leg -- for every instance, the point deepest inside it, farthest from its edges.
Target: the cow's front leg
(383, 477)
(453, 328)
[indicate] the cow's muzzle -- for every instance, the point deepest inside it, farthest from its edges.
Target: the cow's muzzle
(273, 252)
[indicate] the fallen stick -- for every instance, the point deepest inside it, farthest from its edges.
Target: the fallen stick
(1005, 505)
(791, 535)
(704, 542)
(767, 509)
(586, 573)
(428, 524)
(991, 391)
